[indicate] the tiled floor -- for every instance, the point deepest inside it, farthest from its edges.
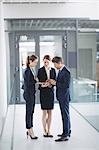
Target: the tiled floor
(84, 136)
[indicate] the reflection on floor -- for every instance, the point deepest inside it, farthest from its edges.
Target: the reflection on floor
(84, 136)
(94, 120)
(90, 111)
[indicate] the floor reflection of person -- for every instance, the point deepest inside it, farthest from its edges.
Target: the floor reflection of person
(29, 94)
(46, 94)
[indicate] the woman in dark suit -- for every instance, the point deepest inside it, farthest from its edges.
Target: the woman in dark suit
(29, 93)
(46, 94)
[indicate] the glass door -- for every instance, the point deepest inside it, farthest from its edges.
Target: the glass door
(26, 48)
(40, 45)
(50, 45)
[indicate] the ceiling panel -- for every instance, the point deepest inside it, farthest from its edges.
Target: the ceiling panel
(51, 24)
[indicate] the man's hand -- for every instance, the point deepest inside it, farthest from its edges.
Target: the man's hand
(46, 84)
(52, 81)
(37, 80)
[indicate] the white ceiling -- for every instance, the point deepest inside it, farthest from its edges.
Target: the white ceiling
(35, 0)
(47, 1)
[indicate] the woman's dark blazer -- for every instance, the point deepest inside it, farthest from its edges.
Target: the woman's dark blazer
(46, 93)
(29, 85)
(42, 75)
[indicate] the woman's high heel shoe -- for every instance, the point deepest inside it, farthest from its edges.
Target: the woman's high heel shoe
(33, 138)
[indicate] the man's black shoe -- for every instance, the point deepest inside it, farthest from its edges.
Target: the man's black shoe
(60, 135)
(62, 139)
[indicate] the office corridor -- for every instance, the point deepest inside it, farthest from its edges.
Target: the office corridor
(84, 136)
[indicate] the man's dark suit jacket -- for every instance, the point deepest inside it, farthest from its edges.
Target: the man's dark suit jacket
(63, 84)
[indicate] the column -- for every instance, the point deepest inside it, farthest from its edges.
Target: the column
(3, 80)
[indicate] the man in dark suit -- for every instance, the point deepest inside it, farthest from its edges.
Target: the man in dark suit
(63, 96)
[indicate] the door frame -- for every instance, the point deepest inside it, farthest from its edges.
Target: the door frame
(36, 35)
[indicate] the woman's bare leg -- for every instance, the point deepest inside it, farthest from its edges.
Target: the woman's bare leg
(49, 119)
(44, 116)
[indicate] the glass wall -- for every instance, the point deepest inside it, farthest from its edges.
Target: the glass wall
(86, 83)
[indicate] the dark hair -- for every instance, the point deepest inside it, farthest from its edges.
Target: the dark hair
(27, 61)
(57, 59)
(32, 58)
(47, 57)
